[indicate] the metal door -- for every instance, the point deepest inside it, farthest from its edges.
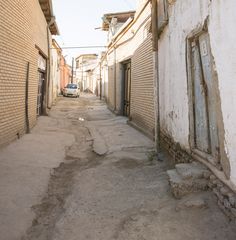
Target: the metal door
(127, 88)
(40, 95)
(204, 97)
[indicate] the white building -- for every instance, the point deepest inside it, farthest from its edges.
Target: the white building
(85, 65)
(56, 53)
(197, 90)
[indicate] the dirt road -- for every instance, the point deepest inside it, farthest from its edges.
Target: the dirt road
(83, 173)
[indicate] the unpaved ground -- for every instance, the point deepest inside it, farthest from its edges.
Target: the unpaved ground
(85, 174)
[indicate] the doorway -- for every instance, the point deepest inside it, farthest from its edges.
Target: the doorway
(41, 84)
(40, 96)
(204, 129)
(127, 87)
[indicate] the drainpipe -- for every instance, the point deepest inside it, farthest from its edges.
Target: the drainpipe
(114, 78)
(48, 64)
(100, 76)
(156, 75)
(82, 76)
(72, 78)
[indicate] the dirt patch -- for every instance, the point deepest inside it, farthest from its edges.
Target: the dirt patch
(131, 226)
(51, 207)
(78, 157)
(128, 163)
(59, 188)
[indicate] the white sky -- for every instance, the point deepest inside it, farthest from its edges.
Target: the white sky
(77, 19)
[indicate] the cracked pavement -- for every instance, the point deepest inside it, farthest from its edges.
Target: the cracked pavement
(83, 173)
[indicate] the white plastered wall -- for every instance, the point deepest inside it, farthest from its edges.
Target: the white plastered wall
(185, 16)
(126, 46)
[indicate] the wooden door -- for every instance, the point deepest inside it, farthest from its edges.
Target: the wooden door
(40, 96)
(204, 97)
(127, 88)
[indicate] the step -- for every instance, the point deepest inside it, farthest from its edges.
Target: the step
(192, 170)
(181, 187)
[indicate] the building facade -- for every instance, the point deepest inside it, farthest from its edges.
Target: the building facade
(65, 73)
(130, 67)
(196, 89)
(56, 52)
(25, 28)
(86, 72)
(196, 95)
(167, 70)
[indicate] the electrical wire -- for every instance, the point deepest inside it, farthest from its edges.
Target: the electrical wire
(81, 47)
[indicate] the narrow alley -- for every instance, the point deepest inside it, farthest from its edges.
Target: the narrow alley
(83, 173)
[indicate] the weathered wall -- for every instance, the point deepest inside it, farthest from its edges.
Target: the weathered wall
(111, 85)
(55, 74)
(185, 16)
(104, 75)
(22, 26)
(62, 71)
(134, 44)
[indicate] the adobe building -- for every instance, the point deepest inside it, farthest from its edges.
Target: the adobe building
(197, 90)
(85, 65)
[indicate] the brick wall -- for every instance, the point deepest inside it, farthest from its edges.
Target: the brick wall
(226, 198)
(22, 27)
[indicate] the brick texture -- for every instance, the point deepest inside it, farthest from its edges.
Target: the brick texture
(22, 27)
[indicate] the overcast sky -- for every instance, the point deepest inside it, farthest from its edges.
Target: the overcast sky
(77, 20)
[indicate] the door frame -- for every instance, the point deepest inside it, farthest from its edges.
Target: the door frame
(123, 88)
(42, 70)
(195, 34)
(224, 163)
(43, 84)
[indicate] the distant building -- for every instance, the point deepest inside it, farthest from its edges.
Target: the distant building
(56, 70)
(26, 27)
(65, 73)
(85, 65)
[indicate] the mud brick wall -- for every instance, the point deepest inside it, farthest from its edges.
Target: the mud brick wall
(22, 28)
(226, 198)
(175, 150)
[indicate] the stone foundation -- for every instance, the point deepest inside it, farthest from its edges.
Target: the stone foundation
(225, 196)
(175, 150)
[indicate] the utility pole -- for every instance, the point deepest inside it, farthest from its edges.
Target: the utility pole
(72, 78)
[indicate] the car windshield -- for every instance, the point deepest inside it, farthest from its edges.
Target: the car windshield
(71, 86)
